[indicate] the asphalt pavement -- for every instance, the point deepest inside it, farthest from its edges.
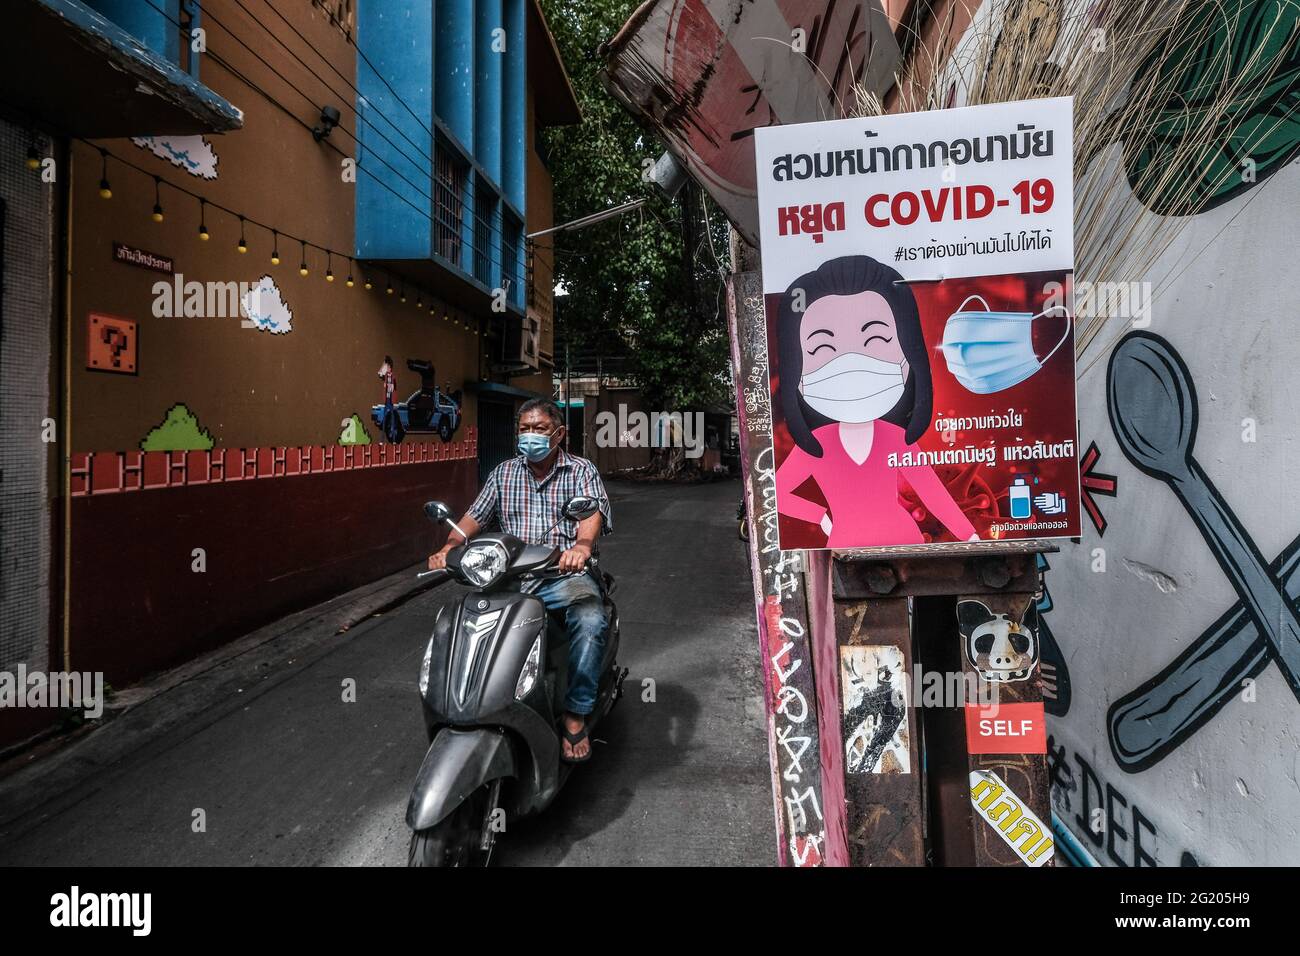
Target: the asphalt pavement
(254, 757)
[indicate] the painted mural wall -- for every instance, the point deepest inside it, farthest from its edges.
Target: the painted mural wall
(1170, 628)
(239, 427)
(1182, 722)
(288, 358)
(258, 353)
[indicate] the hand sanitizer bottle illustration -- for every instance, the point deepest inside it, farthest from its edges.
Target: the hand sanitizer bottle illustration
(1020, 501)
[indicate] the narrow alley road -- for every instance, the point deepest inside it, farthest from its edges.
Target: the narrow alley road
(281, 771)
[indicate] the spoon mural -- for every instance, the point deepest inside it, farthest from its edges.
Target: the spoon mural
(1153, 413)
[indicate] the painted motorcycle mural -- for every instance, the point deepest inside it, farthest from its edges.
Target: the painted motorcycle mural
(429, 410)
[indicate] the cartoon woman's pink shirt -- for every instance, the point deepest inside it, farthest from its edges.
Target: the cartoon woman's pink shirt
(863, 498)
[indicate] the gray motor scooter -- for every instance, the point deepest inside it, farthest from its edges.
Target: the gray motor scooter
(492, 685)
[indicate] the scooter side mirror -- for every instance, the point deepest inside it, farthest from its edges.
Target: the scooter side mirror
(436, 511)
(580, 507)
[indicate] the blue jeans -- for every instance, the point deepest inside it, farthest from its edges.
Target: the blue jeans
(579, 596)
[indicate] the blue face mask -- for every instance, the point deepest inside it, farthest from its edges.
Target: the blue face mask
(534, 447)
(990, 351)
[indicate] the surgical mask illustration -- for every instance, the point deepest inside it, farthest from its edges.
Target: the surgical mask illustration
(534, 447)
(990, 351)
(854, 388)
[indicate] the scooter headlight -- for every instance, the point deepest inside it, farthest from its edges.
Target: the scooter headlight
(528, 674)
(484, 562)
(424, 668)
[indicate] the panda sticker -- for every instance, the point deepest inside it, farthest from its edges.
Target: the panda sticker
(1001, 650)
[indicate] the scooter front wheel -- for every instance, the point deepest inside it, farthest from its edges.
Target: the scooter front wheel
(459, 839)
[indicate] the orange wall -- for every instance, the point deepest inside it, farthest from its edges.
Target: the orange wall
(540, 216)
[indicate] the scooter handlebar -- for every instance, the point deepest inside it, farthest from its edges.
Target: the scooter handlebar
(554, 569)
(441, 575)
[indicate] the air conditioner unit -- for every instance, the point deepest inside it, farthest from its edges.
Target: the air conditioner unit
(523, 338)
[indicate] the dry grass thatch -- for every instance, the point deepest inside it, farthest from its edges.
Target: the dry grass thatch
(1173, 99)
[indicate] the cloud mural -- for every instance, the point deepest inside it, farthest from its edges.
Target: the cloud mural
(193, 154)
(265, 310)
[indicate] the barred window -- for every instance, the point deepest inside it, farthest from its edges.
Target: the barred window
(485, 212)
(449, 203)
(511, 235)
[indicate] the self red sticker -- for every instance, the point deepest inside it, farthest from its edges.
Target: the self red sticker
(1006, 729)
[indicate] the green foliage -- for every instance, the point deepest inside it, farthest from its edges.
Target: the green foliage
(179, 431)
(645, 285)
(354, 432)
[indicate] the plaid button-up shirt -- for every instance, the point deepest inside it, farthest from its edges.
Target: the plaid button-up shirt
(527, 507)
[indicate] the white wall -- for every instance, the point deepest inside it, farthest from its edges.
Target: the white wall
(1228, 794)
(1228, 303)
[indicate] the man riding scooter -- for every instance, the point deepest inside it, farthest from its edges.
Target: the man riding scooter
(526, 494)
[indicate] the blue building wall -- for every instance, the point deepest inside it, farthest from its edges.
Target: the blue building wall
(490, 45)
(455, 77)
(394, 194)
(514, 105)
(460, 67)
(154, 23)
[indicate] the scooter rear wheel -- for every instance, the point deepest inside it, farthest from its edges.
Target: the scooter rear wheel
(456, 840)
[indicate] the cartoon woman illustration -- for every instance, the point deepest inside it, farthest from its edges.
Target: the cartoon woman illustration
(855, 388)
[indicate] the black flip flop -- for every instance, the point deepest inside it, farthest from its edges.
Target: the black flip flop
(574, 739)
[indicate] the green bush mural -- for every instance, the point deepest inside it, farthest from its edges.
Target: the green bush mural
(354, 432)
(179, 431)
(1237, 61)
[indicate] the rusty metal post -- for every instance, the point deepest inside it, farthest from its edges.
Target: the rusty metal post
(973, 788)
(884, 799)
(1011, 816)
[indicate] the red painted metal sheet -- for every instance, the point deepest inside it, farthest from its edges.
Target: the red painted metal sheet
(109, 472)
(705, 73)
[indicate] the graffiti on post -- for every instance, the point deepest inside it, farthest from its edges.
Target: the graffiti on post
(1011, 817)
(780, 597)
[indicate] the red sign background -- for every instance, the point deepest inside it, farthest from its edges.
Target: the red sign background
(1045, 401)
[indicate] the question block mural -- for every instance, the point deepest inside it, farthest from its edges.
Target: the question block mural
(113, 344)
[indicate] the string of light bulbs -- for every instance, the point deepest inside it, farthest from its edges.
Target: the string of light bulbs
(158, 215)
